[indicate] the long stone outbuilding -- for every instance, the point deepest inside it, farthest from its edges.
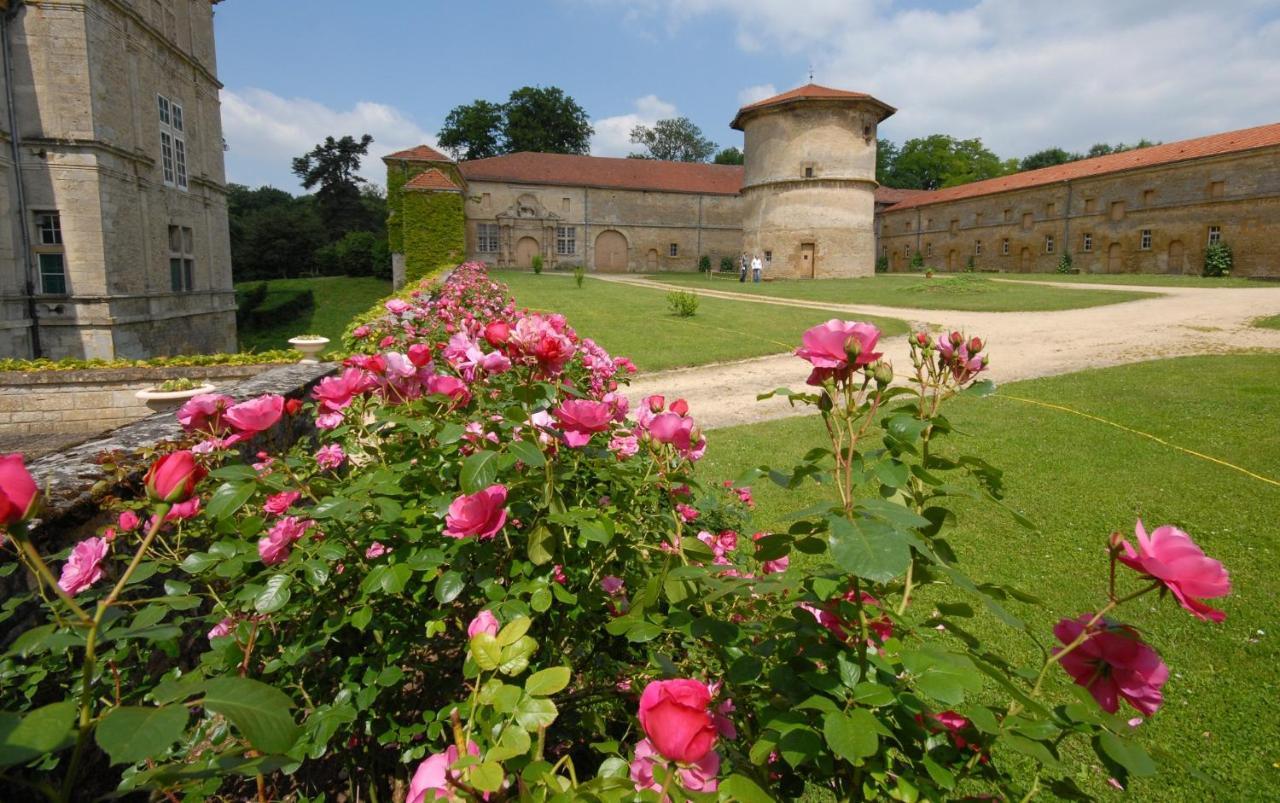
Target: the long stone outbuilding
(807, 202)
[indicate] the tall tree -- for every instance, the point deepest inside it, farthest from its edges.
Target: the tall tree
(473, 130)
(1103, 149)
(938, 160)
(886, 155)
(1047, 158)
(675, 140)
(730, 156)
(547, 120)
(332, 166)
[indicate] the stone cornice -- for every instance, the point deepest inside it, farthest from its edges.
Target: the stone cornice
(832, 182)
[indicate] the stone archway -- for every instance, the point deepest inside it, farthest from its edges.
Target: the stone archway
(611, 252)
(1115, 258)
(526, 249)
(1177, 258)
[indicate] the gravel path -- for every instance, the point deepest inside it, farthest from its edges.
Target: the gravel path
(1023, 345)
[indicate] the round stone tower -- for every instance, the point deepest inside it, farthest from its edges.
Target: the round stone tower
(809, 191)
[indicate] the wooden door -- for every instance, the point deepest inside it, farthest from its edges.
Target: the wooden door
(1024, 262)
(951, 260)
(1177, 256)
(1115, 259)
(526, 248)
(808, 260)
(611, 252)
(651, 260)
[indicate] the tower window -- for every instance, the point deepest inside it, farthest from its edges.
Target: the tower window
(50, 254)
(808, 172)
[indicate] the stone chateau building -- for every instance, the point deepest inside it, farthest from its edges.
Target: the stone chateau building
(113, 219)
(808, 202)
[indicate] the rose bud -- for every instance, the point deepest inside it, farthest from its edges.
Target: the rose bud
(956, 339)
(852, 348)
(680, 407)
(497, 333)
(19, 495)
(922, 339)
(975, 345)
(173, 477)
(656, 403)
(293, 406)
(883, 373)
(420, 354)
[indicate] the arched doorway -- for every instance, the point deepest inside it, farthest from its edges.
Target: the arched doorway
(1024, 261)
(897, 261)
(1177, 254)
(526, 248)
(651, 261)
(1115, 261)
(951, 260)
(611, 252)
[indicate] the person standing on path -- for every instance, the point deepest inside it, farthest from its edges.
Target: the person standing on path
(756, 267)
(742, 268)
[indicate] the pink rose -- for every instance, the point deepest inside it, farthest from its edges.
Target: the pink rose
(430, 780)
(184, 510)
(397, 306)
(277, 504)
(360, 332)
(204, 412)
(697, 776)
(450, 386)
(129, 521)
(375, 550)
(330, 457)
(580, 418)
(674, 716)
(686, 512)
(173, 477)
(480, 514)
(256, 415)
(276, 546)
(624, 446)
(484, 622)
(1171, 557)
(222, 629)
(837, 347)
(83, 568)
(611, 585)
(1113, 662)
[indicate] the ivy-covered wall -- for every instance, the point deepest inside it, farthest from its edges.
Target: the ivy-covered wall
(398, 173)
(433, 232)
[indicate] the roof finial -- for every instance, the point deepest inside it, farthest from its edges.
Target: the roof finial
(811, 72)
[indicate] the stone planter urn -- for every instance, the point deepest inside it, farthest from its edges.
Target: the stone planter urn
(164, 401)
(310, 345)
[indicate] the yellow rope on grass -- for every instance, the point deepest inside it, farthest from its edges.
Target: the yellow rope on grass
(1140, 433)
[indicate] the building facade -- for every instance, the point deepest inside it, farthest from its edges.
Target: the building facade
(113, 219)
(808, 203)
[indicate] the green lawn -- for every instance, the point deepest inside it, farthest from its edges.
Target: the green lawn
(338, 300)
(1140, 279)
(635, 322)
(1271, 322)
(1079, 480)
(967, 291)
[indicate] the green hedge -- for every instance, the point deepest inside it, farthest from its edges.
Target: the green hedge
(279, 306)
(434, 232)
(179, 361)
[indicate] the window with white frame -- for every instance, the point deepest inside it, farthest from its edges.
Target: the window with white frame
(977, 248)
(1215, 235)
(1004, 246)
(673, 250)
(51, 258)
(928, 249)
(182, 259)
(1048, 243)
(487, 238)
(906, 250)
(1145, 242)
(566, 240)
(173, 143)
(768, 257)
(1086, 242)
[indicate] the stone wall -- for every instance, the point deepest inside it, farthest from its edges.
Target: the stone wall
(1100, 222)
(95, 400)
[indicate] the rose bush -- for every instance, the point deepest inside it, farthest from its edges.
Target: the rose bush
(489, 576)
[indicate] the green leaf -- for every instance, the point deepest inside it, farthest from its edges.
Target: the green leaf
(275, 595)
(527, 453)
(872, 694)
(540, 600)
(851, 736)
(229, 498)
(742, 789)
(514, 630)
(548, 681)
(448, 587)
(396, 578)
(868, 548)
(745, 669)
(535, 712)
(479, 471)
(942, 675)
(361, 618)
(260, 712)
(38, 733)
(487, 777)
(515, 657)
(197, 562)
(541, 545)
(892, 473)
(130, 734)
(1125, 752)
(1028, 747)
(486, 651)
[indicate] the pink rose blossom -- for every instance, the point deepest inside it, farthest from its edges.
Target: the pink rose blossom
(375, 550)
(184, 510)
(686, 512)
(129, 521)
(255, 415)
(276, 546)
(450, 386)
(330, 456)
(1171, 557)
(222, 629)
(776, 565)
(484, 622)
(1112, 663)
(696, 776)
(360, 332)
(277, 504)
(674, 716)
(84, 567)
(580, 418)
(836, 348)
(481, 514)
(430, 781)
(612, 585)
(624, 446)
(204, 412)
(397, 306)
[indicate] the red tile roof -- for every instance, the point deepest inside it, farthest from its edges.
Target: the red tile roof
(806, 93)
(607, 172)
(432, 179)
(1214, 145)
(422, 153)
(893, 195)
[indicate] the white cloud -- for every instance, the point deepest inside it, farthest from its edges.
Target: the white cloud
(265, 132)
(1028, 74)
(613, 134)
(758, 92)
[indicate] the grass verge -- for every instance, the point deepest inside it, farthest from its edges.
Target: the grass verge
(1080, 479)
(1139, 279)
(1270, 322)
(965, 291)
(636, 322)
(338, 299)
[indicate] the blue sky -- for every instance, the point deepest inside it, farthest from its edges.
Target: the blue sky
(1021, 74)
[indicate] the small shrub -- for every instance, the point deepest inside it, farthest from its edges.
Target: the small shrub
(579, 274)
(683, 303)
(882, 264)
(1218, 260)
(704, 264)
(1064, 264)
(537, 263)
(970, 265)
(917, 261)
(179, 384)
(726, 264)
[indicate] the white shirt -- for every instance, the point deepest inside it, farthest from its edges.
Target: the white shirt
(756, 264)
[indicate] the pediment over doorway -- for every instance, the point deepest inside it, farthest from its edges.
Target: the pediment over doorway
(527, 207)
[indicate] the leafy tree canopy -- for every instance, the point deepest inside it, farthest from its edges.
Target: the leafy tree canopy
(938, 160)
(473, 130)
(547, 120)
(729, 156)
(331, 166)
(1047, 158)
(675, 140)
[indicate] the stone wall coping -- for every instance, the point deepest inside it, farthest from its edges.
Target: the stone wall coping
(86, 376)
